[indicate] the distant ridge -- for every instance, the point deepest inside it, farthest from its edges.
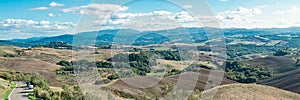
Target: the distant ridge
(198, 34)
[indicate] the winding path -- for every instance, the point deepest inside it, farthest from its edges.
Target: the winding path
(20, 92)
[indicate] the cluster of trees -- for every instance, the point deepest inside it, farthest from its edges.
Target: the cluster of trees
(297, 62)
(141, 62)
(245, 74)
(173, 72)
(68, 93)
(168, 55)
(104, 46)
(15, 76)
(9, 55)
(68, 65)
(135, 50)
(196, 67)
(113, 77)
(238, 50)
(102, 64)
(55, 45)
(281, 52)
(16, 53)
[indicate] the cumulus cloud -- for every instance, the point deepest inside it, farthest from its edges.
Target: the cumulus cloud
(293, 10)
(156, 20)
(114, 16)
(39, 8)
(109, 16)
(21, 28)
(242, 17)
(54, 4)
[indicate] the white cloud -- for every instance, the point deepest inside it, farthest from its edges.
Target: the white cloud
(242, 17)
(39, 8)
(187, 6)
(113, 16)
(293, 10)
(51, 15)
(156, 20)
(54, 4)
(108, 16)
(21, 28)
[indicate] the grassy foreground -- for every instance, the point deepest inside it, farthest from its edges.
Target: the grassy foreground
(8, 91)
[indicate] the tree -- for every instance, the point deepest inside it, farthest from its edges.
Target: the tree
(281, 52)
(113, 77)
(6, 76)
(38, 80)
(65, 63)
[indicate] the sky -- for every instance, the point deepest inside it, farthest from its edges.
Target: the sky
(36, 18)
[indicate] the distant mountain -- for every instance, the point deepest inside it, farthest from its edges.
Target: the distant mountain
(11, 43)
(63, 38)
(27, 40)
(129, 36)
(151, 38)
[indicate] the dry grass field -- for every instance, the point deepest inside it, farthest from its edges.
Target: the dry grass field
(278, 65)
(123, 86)
(33, 65)
(252, 92)
(288, 81)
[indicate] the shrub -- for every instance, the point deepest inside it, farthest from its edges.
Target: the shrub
(113, 77)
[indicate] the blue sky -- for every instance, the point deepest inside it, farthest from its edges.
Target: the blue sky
(33, 18)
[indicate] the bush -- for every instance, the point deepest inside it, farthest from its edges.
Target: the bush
(101, 64)
(64, 63)
(281, 52)
(9, 55)
(173, 72)
(113, 77)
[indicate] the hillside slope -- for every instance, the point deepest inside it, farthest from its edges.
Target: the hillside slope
(288, 81)
(156, 91)
(29, 65)
(252, 92)
(277, 64)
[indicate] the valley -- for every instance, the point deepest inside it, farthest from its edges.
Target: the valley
(246, 60)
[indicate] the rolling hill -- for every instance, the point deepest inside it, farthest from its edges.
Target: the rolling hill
(251, 92)
(277, 64)
(122, 86)
(184, 35)
(28, 65)
(288, 81)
